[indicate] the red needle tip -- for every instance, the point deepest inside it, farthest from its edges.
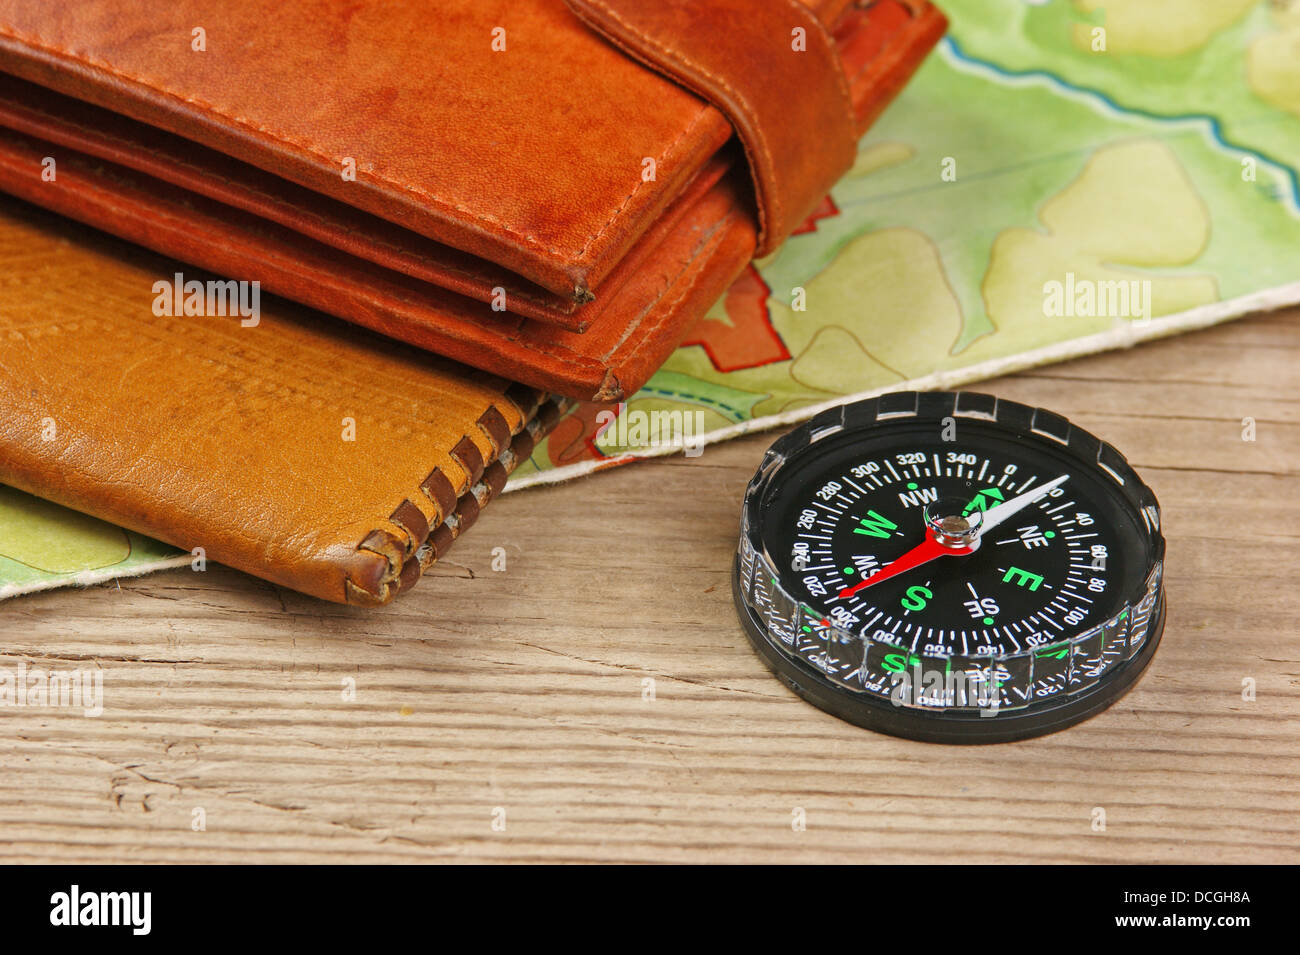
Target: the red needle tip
(924, 552)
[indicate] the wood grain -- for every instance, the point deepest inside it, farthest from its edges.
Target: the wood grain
(524, 689)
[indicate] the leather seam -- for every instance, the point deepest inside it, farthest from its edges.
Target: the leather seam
(464, 466)
(481, 492)
(526, 407)
(693, 264)
(556, 350)
(515, 406)
(686, 130)
(889, 47)
(439, 516)
(837, 65)
(492, 441)
(390, 576)
(46, 45)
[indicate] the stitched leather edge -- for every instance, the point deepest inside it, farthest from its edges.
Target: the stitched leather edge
(442, 497)
(109, 205)
(406, 555)
(493, 481)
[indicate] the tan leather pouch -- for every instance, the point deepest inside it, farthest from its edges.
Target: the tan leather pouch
(282, 442)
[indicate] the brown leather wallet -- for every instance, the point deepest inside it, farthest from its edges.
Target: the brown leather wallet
(549, 190)
(301, 449)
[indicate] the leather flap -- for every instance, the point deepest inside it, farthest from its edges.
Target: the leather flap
(771, 68)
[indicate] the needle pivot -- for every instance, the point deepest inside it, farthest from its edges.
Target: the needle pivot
(950, 527)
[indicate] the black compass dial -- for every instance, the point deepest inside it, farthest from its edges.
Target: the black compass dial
(1046, 572)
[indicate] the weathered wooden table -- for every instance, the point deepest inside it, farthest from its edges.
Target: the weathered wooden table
(509, 715)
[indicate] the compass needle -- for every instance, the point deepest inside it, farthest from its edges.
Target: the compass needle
(839, 583)
(998, 513)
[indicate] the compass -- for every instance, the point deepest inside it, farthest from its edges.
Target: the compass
(950, 567)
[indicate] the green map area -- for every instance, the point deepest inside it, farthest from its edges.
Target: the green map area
(43, 545)
(1059, 178)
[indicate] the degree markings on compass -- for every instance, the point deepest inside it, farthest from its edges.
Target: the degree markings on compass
(1053, 510)
(890, 465)
(861, 492)
(1025, 486)
(1047, 617)
(983, 469)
